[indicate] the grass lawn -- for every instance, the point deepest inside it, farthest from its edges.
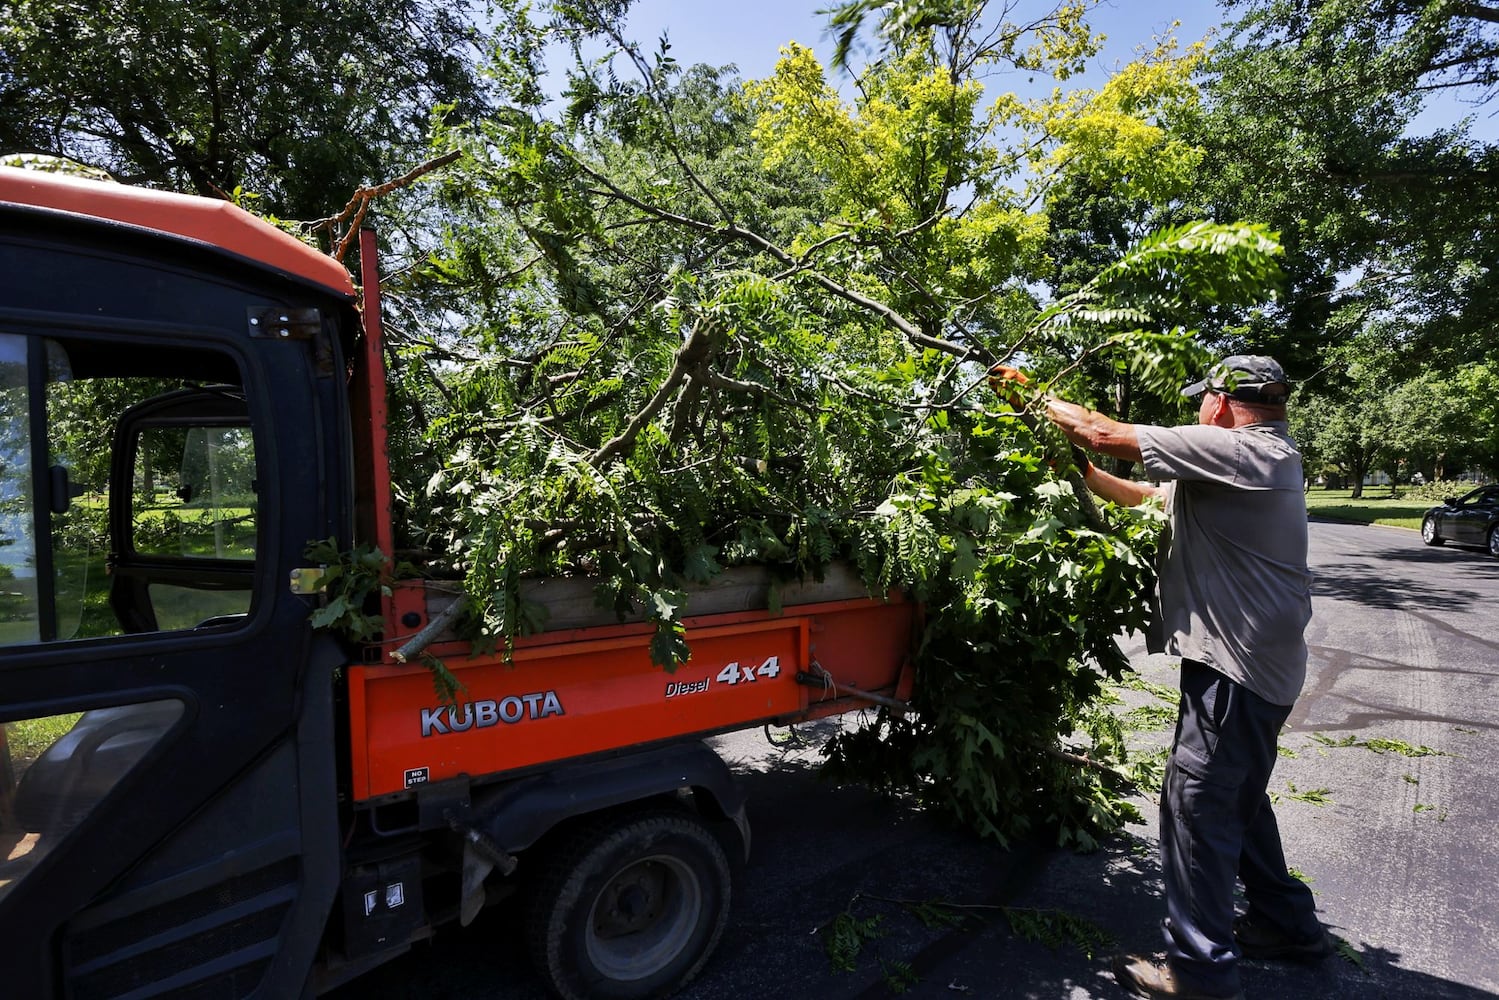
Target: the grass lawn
(1376, 506)
(29, 738)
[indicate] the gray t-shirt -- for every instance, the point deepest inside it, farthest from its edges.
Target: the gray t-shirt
(1234, 586)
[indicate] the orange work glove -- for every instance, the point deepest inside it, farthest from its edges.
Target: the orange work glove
(1002, 379)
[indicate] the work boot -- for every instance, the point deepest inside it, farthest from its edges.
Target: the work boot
(1263, 940)
(1152, 976)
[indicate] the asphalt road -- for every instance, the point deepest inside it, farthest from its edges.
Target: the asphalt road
(1387, 806)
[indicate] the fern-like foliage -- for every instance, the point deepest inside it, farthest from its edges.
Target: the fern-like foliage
(1056, 928)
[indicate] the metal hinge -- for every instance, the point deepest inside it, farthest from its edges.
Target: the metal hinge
(308, 580)
(286, 324)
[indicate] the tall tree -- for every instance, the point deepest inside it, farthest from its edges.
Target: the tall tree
(715, 325)
(1093, 217)
(297, 102)
(1312, 127)
(1448, 422)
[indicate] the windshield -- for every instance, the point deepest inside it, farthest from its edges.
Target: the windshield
(19, 612)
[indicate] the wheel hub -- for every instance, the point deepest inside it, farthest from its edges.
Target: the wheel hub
(644, 917)
(632, 902)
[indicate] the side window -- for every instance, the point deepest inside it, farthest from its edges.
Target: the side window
(194, 493)
(127, 490)
(128, 506)
(192, 512)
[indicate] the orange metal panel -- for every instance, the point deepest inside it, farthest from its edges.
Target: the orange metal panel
(599, 691)
(367, 418)
(359, 772)
(863, 645)
(207, 220)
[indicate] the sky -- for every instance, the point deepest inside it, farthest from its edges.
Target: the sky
(750, 34)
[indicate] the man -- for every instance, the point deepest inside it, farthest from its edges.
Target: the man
(1234, 594)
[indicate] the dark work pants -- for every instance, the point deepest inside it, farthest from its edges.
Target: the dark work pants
(1216, 822)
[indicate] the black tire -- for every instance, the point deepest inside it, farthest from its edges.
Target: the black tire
(630, 908)
(1494, 540)
(1429, 532)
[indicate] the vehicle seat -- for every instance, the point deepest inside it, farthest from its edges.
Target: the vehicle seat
(84, 764)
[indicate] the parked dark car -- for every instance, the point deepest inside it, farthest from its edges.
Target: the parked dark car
(1471, 520)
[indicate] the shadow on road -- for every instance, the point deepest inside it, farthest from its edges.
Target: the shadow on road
(947, 915)
(1419, 576)
(1426, 579)
(1026, 922)
(1039, 924)
(1018, 923)
(1352, 583)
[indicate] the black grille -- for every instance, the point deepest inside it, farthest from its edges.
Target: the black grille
(214, 942)
(239, 983)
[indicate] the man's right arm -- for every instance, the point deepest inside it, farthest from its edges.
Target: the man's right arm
(1088, 429)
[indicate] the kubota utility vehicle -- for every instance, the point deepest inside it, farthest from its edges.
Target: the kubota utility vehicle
(203, 796)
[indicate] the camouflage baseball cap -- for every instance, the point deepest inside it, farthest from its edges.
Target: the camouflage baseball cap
(1253, 378)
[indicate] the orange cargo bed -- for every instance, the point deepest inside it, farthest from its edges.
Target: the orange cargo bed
(587, 685)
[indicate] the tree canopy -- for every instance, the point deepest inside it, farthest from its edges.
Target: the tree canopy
(711, 323)
(295, 103)
(650, 320)
(1315, 121)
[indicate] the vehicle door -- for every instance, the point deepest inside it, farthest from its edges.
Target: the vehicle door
(1467, 521)
(166, 770)
(1476, 514)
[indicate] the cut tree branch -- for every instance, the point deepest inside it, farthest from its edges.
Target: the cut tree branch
(360, 203)
(692, 354)
(912, 332)
(734, 231)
